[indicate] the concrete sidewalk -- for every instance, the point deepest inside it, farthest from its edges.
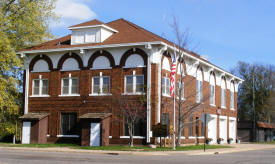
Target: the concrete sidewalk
(236, 148)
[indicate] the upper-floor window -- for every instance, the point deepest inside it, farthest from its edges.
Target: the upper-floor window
(180, 90)
(40, 87)
(165, 86)
(223, 94)
(199, 86)
(70, 86)
(101, 85)
(212, 90)
(134, 84)
(191, 126)
(232, 96)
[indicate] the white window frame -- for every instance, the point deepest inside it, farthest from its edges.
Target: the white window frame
(232, 100)
(134, 84)
(199, 91)
(212, 97)
(100, 86)
(40, 88)
(166, 92)
(70, 86)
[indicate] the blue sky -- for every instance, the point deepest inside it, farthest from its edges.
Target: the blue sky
(224, 31)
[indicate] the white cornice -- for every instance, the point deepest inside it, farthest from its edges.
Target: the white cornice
(94, 26)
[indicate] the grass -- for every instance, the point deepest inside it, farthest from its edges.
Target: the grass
(116, 147)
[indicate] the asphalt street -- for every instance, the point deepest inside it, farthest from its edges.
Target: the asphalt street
(31, 157)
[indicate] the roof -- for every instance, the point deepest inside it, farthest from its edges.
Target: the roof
(95, 115)
(127, 33)
(265, 125)
(34, 116)
(89, 23)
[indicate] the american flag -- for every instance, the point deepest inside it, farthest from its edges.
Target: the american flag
(172, 75)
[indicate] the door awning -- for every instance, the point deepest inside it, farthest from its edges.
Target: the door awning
(34, 116)
(95, 115)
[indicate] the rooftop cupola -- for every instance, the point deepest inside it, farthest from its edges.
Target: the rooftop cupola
(92, 31)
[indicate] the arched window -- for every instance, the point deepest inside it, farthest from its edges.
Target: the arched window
(223, 93)
(232, 96)
(212, 89)
(101, 62)
(166, 64)
(41, 66)
(199, 86)
(134, 61)
(70, 64)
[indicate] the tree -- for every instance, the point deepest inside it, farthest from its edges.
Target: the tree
(133, 111)
(23, 23)
(259, 79)
(185, 106)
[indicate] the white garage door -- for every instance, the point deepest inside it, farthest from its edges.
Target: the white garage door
(95, 134)
(212, 128)
(223, 128)
(26, 133)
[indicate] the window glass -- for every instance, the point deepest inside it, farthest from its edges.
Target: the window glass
(65, 89)
(74, 86)
(212, 95)
(106, 85)
(129, 84)
(223, 98)
(139, 128)
(232, 100)
(167, 86)
(44, 87)
(139, 83)
(35, 87)
(96, 85)
(163, 85)
(68, 123)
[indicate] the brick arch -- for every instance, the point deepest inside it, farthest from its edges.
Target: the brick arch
(131, 52)
(103, 53)
(67, 56)
(41, 57)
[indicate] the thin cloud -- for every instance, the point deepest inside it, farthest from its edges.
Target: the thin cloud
(72, 12)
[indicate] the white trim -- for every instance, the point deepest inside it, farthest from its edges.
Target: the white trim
(67, 136)
(110, 136)
(134, 67)
(93, 26)
(98, 68)
(203, 62)
(232, 118)
(68, 95)
(166, 95)
(182, 137)
(191, 137)
(200, 137)
(63, 70)
(48, 135)
(223, 107)
(91, 47)
(108, 94)
(136, 137)
(223, 117)
(40, 71)
(40, 96)
(213, 105)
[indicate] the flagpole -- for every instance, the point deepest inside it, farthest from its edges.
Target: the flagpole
(174, 122)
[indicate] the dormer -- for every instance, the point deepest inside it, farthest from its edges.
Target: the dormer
(90, 32)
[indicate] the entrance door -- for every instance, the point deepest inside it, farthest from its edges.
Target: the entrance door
(95, 134)
(26, 133)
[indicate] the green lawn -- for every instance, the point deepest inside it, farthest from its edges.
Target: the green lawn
(117, 148)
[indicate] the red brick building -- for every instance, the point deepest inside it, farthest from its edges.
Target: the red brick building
(70, 84)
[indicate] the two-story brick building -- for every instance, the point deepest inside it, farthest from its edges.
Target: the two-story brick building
(70, 83)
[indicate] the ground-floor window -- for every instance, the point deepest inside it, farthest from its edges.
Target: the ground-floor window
(139, 128)
(68, 123)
